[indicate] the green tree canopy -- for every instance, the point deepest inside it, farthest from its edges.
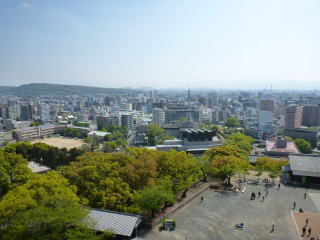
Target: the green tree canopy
(46, 207)
(242, 141)
(226, 150)
(153, 197)
(272, 166)
(225, 167)
(13, 171)
(232, 123)
(154, 133)
(303, 145)
(97, 177)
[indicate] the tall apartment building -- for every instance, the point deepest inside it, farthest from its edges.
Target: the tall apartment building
(266, 105)
(293, 117)
(26, 112)
(177, 111)
(266, 116)
(44, 112)
(104, 121)
(127, 121)
(311, 116)
(158, 116)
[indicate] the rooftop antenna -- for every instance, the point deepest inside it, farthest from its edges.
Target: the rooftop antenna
(188, 96)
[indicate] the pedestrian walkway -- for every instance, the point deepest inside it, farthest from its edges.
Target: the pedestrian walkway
(300, 220)
(316, 199)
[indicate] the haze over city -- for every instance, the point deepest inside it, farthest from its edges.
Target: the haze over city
(161, 44)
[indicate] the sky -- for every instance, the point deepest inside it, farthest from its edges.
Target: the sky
(214, 44)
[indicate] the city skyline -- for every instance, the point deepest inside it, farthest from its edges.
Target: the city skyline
(216, 45)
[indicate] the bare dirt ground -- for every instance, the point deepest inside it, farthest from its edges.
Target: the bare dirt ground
(61, 142)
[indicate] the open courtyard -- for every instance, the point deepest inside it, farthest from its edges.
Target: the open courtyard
(61, 142)
(215, 218)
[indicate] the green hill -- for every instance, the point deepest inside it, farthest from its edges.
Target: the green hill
(38, 89)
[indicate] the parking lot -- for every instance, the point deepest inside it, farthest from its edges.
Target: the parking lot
(216, 217)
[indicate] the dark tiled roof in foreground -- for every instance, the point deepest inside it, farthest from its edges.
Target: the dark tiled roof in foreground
(116, 222)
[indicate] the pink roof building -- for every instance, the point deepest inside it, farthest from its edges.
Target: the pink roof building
(280, 147)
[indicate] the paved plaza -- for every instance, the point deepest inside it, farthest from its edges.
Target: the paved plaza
(215, 218)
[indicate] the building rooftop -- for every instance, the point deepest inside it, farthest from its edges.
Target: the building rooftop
(119, 223)
(271, 146)
(305, 164)
(37, 167)
(99, 133)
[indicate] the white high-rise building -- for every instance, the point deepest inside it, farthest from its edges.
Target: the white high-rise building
(44, 112)
(158, 116)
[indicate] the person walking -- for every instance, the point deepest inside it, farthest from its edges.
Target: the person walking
(294, 205)
(259, 194)
(279, 186)
(305, 195)
(307, 221)
(304, 231)
(309, 231)
(272, 230)
(262, 198)
(201, 198)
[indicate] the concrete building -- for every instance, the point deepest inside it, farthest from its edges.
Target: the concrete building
(26, 112)
(311, 116)
(98, 135)
(158, 116)
(265, 122)
(280, 147)
(30, 133)
(303, 169)
(104, 121)
(127, 121)
(44, 112)
(310, 135)
(193, 141)
(293, 117)
(5, 137)
(266, 105)
(174, 113)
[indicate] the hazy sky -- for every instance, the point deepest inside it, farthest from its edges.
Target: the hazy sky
(161, 43)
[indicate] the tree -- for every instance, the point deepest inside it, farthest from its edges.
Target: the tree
(13, 171)
(232, 123)
(140, 170)
(117, 137)
(154, 133)
(96, 176)
(227, 166)
(240, 140)
(181, 168)
(226, 150)
(272, 166)
(204, 166)
(110, 147)
(46, 207)
(152, 198)
(303, 145)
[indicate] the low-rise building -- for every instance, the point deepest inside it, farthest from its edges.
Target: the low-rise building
(280, 147)
(194, 141)
(302, 169)
(99, 135)
(123, 225)
(29, 133)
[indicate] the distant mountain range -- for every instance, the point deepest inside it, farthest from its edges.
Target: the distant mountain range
(38, 89)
